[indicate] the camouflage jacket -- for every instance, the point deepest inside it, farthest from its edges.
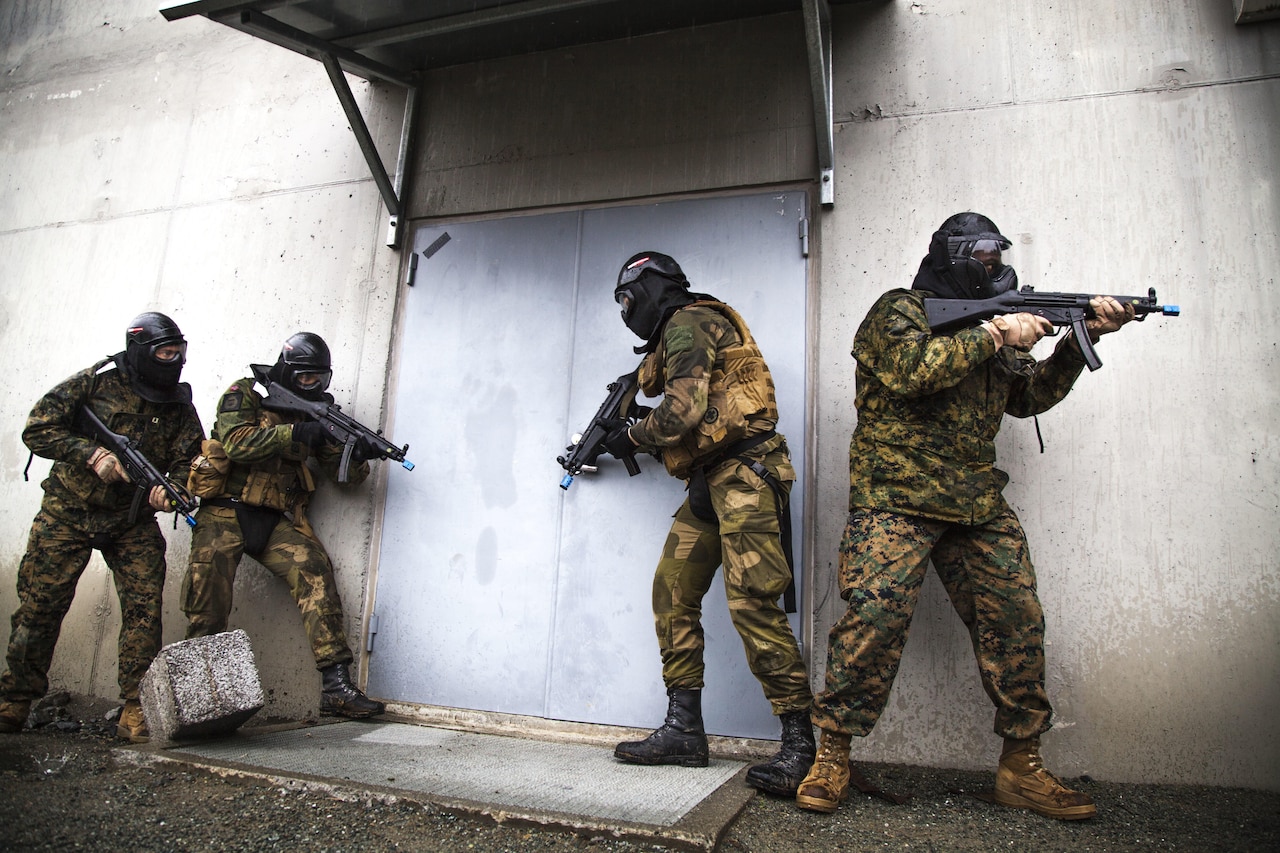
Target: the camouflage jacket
(929, 407)
(168, 434)
(716, 388)
(269, 468)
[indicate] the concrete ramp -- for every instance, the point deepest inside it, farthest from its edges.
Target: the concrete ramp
(572, 786)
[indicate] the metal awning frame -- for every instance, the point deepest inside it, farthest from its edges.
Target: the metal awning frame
(817, 36)
(336, 60)
(340, 55)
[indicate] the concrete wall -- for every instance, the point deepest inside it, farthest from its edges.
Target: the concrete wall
(1122, 146)
(189, 169)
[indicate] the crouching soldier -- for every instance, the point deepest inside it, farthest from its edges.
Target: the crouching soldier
(255, 485)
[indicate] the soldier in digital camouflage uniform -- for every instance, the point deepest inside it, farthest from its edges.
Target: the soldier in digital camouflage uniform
(87, 504)
(923, 485)
(715, 429)
(255, 486)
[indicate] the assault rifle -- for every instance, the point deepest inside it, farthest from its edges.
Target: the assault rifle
(1061, 309)
(141, 472)
(587, 445)
(342, 428)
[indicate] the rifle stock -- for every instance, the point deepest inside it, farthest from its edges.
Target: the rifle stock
(1061, 309)
(342, 428)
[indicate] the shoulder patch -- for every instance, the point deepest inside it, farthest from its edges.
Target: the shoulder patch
(678, 339)
(231, 401)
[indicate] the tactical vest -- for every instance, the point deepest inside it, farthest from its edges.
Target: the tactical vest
(739, 396)
(283, 482)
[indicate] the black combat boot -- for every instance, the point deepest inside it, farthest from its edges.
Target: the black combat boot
(338, 696)
(680, 740)
(786, 770)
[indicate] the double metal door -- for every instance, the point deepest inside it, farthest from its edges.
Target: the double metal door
(496, 589)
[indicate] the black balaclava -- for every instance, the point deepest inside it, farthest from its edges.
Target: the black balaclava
(149, 377)
(656, 299)
(657, 288)
(304, 353)
(949, 270)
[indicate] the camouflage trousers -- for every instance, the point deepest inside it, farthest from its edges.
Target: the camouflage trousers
(62, 538)
(755, 575)
(987, 572)
(217, 545)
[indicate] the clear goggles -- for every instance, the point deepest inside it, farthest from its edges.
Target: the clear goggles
(624, 297)
(168, 352)
(312, 380)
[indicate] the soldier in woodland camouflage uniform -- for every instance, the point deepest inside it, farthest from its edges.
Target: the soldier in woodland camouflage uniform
(923, 485)
(715, 429)
(255, 485)
(87, 504)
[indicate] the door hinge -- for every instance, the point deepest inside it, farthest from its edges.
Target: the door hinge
(804, 238)
(373, 631)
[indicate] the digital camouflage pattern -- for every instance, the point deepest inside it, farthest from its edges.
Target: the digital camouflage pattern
(929, 408)
(80, 513)
(268, 470)
(923, 485)
(217, 545)
(707, 360)
(988, 575)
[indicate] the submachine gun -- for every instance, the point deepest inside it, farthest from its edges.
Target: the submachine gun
(1060, 309)
(342, 428)
(141, 472)
(587, 445)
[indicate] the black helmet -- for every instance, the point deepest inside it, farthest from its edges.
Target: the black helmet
(651, 286)
(304, 366)
(153, 375)
(958, 239)
(656, 262)
(974, 226)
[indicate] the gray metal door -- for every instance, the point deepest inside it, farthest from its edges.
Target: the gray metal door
(496, 589)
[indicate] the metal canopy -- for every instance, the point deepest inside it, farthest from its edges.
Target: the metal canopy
(394, 40)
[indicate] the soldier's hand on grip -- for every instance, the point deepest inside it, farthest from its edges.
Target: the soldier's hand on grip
(1109, 316)
(618, 442)
(310, 433)
(159, 499)
(365, 449)
(1020, 331)
(108, 468)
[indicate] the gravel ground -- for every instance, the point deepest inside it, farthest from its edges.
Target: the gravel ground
(65, 785)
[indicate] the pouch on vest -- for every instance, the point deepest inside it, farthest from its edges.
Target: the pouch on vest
(721, 425)
(209, 470)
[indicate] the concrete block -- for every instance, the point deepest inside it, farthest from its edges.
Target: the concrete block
(201, 687)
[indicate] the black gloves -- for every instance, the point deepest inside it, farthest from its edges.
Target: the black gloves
(364, 449)
(618, 442)
(314, 435)
(310, 433)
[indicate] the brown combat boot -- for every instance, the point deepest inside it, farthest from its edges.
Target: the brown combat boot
(13, 716)
(828, 779)
(132, 726)
(1023, 783)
